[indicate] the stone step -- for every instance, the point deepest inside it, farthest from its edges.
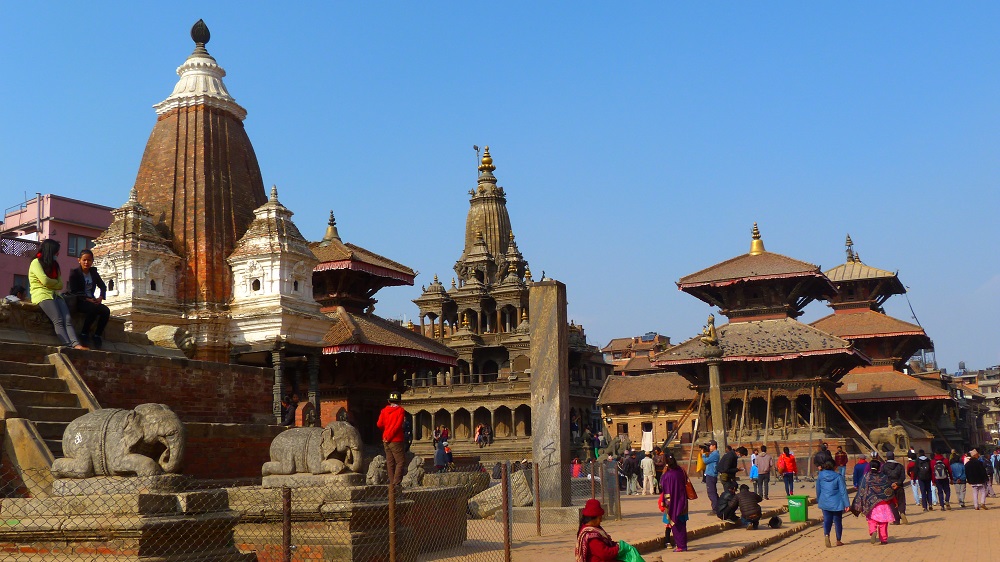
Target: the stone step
(55, 445)
(51, 429)
(50, 413)
(42, 398)
(32, 382)
(34, 369)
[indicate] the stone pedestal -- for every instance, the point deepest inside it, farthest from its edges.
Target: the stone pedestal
(98, 485)
(550, 391)
(161, 526)
(305, 480)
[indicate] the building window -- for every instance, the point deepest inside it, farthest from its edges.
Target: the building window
(152, 285)
(295, 286)
(646, 409)
(255, 285)
(111, 285)
(78, 244)
(21, 280)
(623, 429)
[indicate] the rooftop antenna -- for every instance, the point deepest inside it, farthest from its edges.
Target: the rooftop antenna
(476, 148)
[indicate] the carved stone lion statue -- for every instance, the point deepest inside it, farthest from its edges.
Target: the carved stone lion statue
(172, 337)
(414, 473)
(377, 473)
(892, 438)
(146, 441)
(333, 449)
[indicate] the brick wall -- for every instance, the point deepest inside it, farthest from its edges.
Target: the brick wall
(227, 451)
(197, 391)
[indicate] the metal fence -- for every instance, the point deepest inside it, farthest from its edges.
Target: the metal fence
(469, 514)
(293, 518)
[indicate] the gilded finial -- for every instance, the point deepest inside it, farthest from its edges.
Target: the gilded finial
(331, 231)
(527, 273)
(511, 235)
(465, 321)
(436, 282)
(409, 324)
(524, 314)
(487, 163)
(850, 249)
(479, 234)
(857, 257)
(756, 244)
(452, 282)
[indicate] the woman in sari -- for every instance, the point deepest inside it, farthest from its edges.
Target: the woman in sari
(873, 500)
(673, 498)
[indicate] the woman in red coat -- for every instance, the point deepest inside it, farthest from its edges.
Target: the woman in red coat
(593, 543)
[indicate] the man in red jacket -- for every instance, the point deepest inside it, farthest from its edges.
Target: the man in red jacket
(390, 421)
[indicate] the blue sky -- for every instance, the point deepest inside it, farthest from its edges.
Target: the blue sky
(637, 143)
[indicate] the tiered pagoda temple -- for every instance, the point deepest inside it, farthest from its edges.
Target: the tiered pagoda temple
(483, 316)
(882, 391)
(777, 375)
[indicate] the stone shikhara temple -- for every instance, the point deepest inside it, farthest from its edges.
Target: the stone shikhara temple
(778, 376)
(199, 245)
(484, 317)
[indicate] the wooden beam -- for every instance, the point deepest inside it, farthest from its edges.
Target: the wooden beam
(850, 419)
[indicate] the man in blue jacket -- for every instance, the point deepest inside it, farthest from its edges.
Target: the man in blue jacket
(711, 460)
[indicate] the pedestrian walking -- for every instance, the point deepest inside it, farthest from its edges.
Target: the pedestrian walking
(765, 465)
(896, 473)
(788, 469)
(924, 475)
(860, 470)
(942, 480)
(958, 478)
(873, 501)
(831, 498)
(674, 498)
(840, 459)
(648, 474)
(975, 474)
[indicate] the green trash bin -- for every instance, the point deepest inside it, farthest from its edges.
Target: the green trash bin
(798, 508)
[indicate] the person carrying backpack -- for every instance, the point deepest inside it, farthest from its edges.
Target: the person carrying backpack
(942, 480)
(924, 476)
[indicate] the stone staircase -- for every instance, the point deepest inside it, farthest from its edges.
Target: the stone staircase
(39, 395)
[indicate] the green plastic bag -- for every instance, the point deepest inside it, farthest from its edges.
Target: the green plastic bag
(628, 553)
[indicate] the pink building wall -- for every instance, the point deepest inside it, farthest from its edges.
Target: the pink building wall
(58, 218)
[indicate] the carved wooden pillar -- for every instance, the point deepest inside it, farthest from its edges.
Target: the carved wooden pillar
(767, 416)
(278, 364)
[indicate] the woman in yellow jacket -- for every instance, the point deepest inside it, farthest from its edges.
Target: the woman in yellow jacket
(43, 277)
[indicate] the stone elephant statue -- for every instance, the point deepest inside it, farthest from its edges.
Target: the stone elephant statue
(333, 449)
(145, 441)
(894, 436)
(618, 445)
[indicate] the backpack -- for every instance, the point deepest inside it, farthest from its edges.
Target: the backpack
(781, 464)
(940, 470)
(923, 469)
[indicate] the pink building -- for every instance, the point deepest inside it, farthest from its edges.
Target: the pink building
(73, 223)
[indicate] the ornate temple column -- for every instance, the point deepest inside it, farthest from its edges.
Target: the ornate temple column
(499, 320)
(278, 364)
(767, 416)
(714, 355)
(313, 366)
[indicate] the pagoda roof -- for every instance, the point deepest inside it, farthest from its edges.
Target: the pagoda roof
(335, 254)
(857, 271)
(866, 324)
(888, 386)
(639, 363)
(747, 267)
(659, 387)
(371, 335)
(762, 340)
(618, 344)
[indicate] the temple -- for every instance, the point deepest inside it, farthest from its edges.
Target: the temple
(483, 316)
(884, 391)
(778, 376)
(200, 247)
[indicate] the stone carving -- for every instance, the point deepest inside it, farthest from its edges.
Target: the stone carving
(618, 445)
(172, 337)
(333, 449)
(892, 438)
(414, 473)
(146, 441)
(377, 473)
(709, 335)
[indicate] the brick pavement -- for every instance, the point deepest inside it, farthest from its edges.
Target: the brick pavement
(966, 533)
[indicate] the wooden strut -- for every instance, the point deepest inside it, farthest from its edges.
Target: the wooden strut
(849, 419)
(680, 424)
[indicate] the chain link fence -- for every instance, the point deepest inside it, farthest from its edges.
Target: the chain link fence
(456, 515)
